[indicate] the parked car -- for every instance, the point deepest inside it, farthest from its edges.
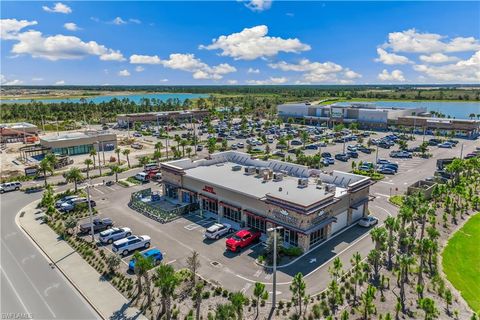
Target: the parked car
(242, 239)
(240, 145)
(137, 146)
(59, 203)
(113, 234)
(386, 170)
(10, 186)
(352, 154)
(311, 147)
(368, 221)
(98, 225)
(126, 245)
(141, 176)
(445, 145)
(326, 155)
(296, 143)
(400, 154)
(342, 157)
(330, 160)
(154, 254)
(364, 150)
(72, 204)
(218, 230)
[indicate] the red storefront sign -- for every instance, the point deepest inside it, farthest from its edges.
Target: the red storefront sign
(209, 189)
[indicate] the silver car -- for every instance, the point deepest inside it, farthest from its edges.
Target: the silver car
(126, 245)
(218, 230)
(113, 234)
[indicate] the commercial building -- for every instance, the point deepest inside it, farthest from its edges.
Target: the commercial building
(460, 127)
(367, 115)
(79, 142)
(12, 132)
(165, 117)
(234, 187)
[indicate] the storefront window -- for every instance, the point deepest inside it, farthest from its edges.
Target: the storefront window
(256, 223)
(171, 191)
(232, 214)
(210, 205)
(317, 236)
(289, 236)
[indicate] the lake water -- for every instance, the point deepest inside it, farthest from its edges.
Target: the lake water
(132, 97)
(458, 110)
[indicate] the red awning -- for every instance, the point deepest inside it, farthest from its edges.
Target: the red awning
(250, 213)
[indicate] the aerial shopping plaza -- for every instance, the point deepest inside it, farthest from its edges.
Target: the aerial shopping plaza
(233, 187)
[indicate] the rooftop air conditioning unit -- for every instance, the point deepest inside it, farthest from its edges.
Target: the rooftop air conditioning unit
(236, 168)
(277, 176)
(330, 188)
(302, 182)
(249, 170)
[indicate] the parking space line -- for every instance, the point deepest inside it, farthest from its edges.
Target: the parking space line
(98, 190)
(198, 224)
(171, 261)
(246, 287)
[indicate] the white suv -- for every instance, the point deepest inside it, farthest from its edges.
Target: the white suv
(218, 230)
(125, 245)
(113, 234)
(10, 186)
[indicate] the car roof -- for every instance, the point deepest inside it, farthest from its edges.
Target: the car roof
(151, 252)
(242, 233)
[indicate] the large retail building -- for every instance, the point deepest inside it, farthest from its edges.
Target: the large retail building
(164, 117)
(235, 188)
(79, 142)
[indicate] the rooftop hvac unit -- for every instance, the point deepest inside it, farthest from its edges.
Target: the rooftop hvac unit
(236, 168)
(277, 176)
(266, 177)
(302, 182)
(330, 187)
(249, 170)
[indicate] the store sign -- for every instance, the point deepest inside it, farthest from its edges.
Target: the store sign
(337, 112)
(209, 189)
(285, 217)
(31, 171)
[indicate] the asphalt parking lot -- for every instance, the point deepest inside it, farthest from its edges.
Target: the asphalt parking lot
(238, 271)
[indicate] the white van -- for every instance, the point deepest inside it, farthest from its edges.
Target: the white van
(141, 176)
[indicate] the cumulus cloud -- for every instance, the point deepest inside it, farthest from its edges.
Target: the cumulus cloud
(9, 28)
(60, 83)
(7, 82)
(438, 58)
(390, 58)
(269, 81)
(317, 71)
(394, 76)
(186, 62)
(253, 43)
(58, 8)
(258, 5)
(124, 73)
(232, 81)
(37, 79)
(251, 70)
(59, 46)
(416, 42)
(71, 26)
(139, 69)
(462, 71)
(119, 21)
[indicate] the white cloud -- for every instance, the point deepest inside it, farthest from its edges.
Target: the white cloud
(58, 47)
(390, 58)
(164, 80)
(58, 8)
(395, 76)
(37, 79)
(136, 21)
(124, 73)
(232, 81)
(413, 41)
(6, 82)
(142, 59)
(71, 26)
(119, 21)
(60, 83)
(253, 43)
(186, 62)
(438, 58)
(269, 81)
(259, 5)
(9, 28)
(462, 71)
(251, 70)
(139, 69)
(317, 71)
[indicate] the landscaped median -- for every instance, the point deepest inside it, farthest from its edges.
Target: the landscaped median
(396, 199)
(461, 261)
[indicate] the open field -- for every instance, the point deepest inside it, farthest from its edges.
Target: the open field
(461, 261)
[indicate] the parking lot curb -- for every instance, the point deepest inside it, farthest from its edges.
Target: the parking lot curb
(52, 262)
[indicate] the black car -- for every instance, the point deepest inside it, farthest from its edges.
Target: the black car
(364, 150)
(326, 155)
(384, 145)
(352, 154)
(98, 225)
(342, 157)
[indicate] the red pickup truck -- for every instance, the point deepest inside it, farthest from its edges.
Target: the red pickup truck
(242, 239)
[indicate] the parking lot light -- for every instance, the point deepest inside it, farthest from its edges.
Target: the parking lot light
(274, 290)
(90, 212)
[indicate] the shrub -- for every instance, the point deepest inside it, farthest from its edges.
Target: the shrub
(292, 251)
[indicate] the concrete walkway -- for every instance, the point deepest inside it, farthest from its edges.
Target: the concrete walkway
(100, 294)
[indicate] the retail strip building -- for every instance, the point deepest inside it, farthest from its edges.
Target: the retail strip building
(235, 188)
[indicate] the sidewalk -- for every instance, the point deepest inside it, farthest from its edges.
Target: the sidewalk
(101, 295)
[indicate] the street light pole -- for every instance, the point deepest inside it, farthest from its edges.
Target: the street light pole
(274, 289)
(90, 212)
(461, 152)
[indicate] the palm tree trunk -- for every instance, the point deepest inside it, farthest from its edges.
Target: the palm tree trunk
(88, 171)
(128, 161)
(45, 177)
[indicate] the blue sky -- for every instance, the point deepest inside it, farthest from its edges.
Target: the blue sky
(256, 42)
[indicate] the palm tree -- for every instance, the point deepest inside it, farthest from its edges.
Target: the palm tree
(144, 160)
(93, 153)
(368, 297)
(357, 274)
(259, 293)
(52, 158)
(183, 144)
(211, 145)
(45, 166)
(74, 175)
(166, 281)
(404, 261)
(126, 152)
(428, 306)
(193, 264)
(88, 162)
(298, 289)
(391, 224)
(225, 312)
(238, 300)
(375, 259)
(197, 298)
(115, 170)
(70, 224)
(159, 145)
(336, 269)
(118, 151)
(189, 151)
(156, 156)
(141, 264)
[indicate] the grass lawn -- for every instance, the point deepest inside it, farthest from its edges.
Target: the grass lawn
(461, 261)
(396, 199)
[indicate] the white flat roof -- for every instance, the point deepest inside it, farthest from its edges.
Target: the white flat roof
(223, 176)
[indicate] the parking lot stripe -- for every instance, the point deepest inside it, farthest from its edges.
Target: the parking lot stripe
(98, 190)
(171, 261)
